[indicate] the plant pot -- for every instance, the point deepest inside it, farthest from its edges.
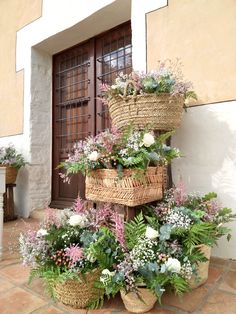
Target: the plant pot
(202, 268)
(161, 111)
(11, 174)
(134, 304)
(79, 293)
(104, 185)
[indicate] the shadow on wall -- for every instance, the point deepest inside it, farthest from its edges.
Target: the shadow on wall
(207, 138)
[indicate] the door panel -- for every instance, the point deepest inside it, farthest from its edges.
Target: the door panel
(77, 75)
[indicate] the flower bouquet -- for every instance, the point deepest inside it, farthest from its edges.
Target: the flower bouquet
(12, 160)
(62, 253)
(156, 98)
(151, 263)
(194, 220)
(122, 168)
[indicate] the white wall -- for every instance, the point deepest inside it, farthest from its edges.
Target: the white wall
(207, 138)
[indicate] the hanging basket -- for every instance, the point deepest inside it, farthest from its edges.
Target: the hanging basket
(133, 303)
(104, 185)
(202, 268)
(11, 174)
(78, 294)
(160, 111)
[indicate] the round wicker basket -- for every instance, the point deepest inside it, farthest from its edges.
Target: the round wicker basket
(160, 111)
(78, 294)
(133, 302)
(202, 268)
(11, 174)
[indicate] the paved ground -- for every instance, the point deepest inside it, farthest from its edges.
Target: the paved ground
(217, 296)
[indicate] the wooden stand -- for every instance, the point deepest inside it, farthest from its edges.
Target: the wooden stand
(8, 203)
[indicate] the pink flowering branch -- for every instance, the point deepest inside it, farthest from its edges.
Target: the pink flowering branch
(119, 229)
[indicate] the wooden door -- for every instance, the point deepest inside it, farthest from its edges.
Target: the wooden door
(77, 111)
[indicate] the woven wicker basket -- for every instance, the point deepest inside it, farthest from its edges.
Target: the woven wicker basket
(162, 111)
(11, 174)
(78, 294)
(202, 268)
(133, 302)
(104, 185)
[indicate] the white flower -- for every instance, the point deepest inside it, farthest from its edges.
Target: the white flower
(42, 232)
(173, 265)
(78, 220)
(93, 156)
(151, 233)
(107, 272)
(148, 139)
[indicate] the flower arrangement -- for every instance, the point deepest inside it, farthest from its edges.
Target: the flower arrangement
(192, 218)
(167, 78)
(114, 150)
(70, 247)
(10, 157)
(150, 259)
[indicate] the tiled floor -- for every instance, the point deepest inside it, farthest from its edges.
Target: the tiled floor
(217, 296)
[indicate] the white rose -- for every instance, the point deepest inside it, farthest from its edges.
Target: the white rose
(93, 156)
(42, 232)
(173, 265)
(78, 220)
(148, 139)
(151, 233)
(107, 272)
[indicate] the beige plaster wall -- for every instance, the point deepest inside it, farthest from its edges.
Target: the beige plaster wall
(14, 14)
(202, 33)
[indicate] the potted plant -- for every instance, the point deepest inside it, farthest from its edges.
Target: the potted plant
(195, 220)
(124, 168)
(151, 263)
(61, 253)
(155, 98)
(13, 161)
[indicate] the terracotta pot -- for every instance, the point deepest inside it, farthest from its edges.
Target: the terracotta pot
(134, 304)
(202, 268)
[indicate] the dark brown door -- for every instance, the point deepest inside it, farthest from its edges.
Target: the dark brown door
(77, 111)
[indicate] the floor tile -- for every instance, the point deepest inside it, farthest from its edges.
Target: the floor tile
(220, 303)
(214, 275)
(16, 273)
(229, 283)
(219, 261)
(51, 310)
(18, 301)
(5, 285)
(233, 265)
(37, 286)
(188, 302)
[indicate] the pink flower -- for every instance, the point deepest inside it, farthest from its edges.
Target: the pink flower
(75, 253)
(51, 217)
(119, 229)
(79, 205)
(179, 193)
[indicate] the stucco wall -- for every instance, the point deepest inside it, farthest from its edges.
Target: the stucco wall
(202, 33)
(15, 14)
(207, 138)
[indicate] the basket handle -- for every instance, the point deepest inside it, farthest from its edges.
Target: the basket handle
(130, 82)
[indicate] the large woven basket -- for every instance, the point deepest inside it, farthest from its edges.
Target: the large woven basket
(78, 294)
(11, 174)
(133, 303)
(104, 185)
(160, 111)
(202, 268)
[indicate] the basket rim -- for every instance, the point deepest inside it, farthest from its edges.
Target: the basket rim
(124, 171)
(151, 95)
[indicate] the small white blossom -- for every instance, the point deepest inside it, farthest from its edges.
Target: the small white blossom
(78, 220)
(151, 233)
(93, 156)
(173, 265)
(148, 139)
(42, 232)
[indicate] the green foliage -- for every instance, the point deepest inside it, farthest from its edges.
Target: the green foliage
(134, 229)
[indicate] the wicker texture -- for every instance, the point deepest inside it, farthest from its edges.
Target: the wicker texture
(133, 303)
(78, 294)
(11, 174)
(104, 185)
(202, 268)
(161, 111)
